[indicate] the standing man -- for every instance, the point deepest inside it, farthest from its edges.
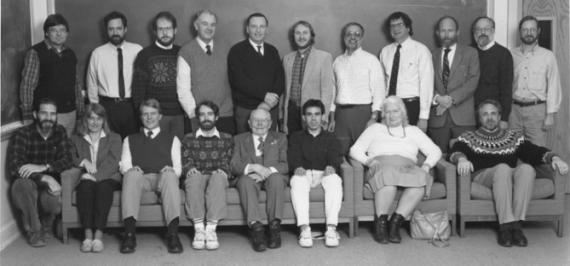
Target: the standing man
(50, 71)
(202, 74)
(308, 75)
(155, 74)
(315, 156)
(39, 152)
(457, 74)
(110, 74)
(150, 161)
(360, 88)
(496, 68)
(408, 69)
(206, 156)
(260, 161)
(256, 73)
(536, 87)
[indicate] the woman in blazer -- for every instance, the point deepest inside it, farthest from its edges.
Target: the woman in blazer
(97, 153)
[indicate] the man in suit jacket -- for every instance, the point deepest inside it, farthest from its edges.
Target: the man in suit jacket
(255, 73)
(308, 75)
(260, 161)
(456, 78)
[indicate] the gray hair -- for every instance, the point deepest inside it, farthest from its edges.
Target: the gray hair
(401, 106)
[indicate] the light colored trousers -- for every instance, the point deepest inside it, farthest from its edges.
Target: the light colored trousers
(206, 196)
(300, 188)
(512, 189)
(530, 119)
(165, 183)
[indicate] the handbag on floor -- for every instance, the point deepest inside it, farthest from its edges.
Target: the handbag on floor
(431, 226)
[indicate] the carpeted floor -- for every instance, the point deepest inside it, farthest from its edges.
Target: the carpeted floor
(479, 247)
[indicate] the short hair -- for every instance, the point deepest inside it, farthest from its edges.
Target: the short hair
(54, 20)
(43, 101)
(151, 103)
(256, 15)
(115, 15)
(528, 18)
(208, 104)
(164, 15)
(480, 18)
(400, 15)
(202, 12)
(314, 103)
(400, 104)
(352, 24)
(93, 108)
(447, 17)
(493, 102)
(306, 24)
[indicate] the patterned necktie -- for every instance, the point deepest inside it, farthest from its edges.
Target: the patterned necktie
(260, 145)
(121, 77)
(208, 50)
(394, 74)
(259, 50)
(149, 134)
(446, 70)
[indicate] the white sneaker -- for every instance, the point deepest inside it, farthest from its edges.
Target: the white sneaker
(306, 238)
(199, 241)
(332, 237)
(211, 239)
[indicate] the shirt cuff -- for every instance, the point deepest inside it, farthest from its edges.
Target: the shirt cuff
(273, 170)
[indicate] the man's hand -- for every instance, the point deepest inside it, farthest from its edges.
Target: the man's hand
(329, 170)
(425, 167)
(261, 170)
(257, 178)
(54, 187)
(444, 101)
(331, 125)
(440, 110)
(193, 171)
(28, 169)
(271, 99)
(265, 106)
(220, 172)
(371, 163)
(88, 176)
(167, 168)
(89, 167)
(283, 126)
(300, 171)
(504, 124)
(548, 122)
(464, 166)
(558, 164)
(422, 124)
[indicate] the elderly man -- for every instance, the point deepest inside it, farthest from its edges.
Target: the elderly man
(491, 153)
(260, 161)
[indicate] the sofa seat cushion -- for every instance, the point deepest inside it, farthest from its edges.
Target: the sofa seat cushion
(543, 188)
(437, 192)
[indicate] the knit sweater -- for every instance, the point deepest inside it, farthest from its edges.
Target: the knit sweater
(486, 149)
(151, 155)
(314, 153)
(207, 154)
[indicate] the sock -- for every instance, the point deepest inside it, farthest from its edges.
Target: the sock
(331, 227)
(211, 225)
(173, 226)
(130, 225)
(198, 227)
(304, 227)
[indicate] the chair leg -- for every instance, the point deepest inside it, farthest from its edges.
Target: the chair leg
(461, 227)
(350, 228)
(65, 234)
(355, 226)
(560, 226)
(453, 225)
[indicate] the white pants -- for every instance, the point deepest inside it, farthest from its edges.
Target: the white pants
(300, 188)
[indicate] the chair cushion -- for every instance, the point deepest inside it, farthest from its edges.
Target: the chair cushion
(543, 188)
(437, 192)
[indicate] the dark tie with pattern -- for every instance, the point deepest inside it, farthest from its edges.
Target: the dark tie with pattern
(446, 70)
(121, 77)
(149, 134)
(394, 74)
(208, 50)
(260, 145)
(259, 50)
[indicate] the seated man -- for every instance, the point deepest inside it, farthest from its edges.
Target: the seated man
(260, 161)
(150, 161)
(38, 153)
(206, 156)
(316, 157)
(491, 153)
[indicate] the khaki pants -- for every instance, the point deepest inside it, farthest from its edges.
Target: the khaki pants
(301, 187)
(530, 120)
(206, 196)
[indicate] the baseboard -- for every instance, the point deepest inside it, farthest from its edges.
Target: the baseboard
(8, 234)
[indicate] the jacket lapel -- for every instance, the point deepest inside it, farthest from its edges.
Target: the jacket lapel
(438, 65)
(249, 147)
(103, 146)
(310, 67)
(456, 60)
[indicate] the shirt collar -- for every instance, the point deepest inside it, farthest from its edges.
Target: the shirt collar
(488, 46)
(203, 44)
(162, 46)
(405, 43)
(311, 134)
(255, 44)
(305, 53)
(155, 131)
(529, 51)
(453, 47)
(50, 47)
(88, 139)
(200, 133)
(358, 50)
(256, 137)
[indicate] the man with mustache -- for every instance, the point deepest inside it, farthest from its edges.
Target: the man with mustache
(496, 68)
(490, 156)
(109, 75)
(536, 87)
(206, 155)
(39, 153)
(155, 74)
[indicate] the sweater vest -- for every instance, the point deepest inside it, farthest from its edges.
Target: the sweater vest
(151, 155)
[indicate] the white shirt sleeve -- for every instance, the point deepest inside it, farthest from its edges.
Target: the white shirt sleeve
(426, 82)
(176, 156)
(184, 87)
(91, 80)
(126, 162)
(377, 84)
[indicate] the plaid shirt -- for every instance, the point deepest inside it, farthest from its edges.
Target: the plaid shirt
(29, 147)
(297, 77)
(207, 154)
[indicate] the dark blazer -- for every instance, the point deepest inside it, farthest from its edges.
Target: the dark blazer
(274, 152)
(108, 155)
(461, 85)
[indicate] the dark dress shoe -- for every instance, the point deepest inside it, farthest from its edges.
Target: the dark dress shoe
(129, 244)
(381, 229)
(258, 237)
(394, 232)
(518, 238)
(173, 243)
(505, 238)
(274, 234)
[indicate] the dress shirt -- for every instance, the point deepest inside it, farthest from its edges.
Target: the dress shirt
(359, 80)
(258, 153)
(93, 147)
(103, 72)
(536, 77)
(450, 56)
(255, 46)
(416, 74)
(126, 162)
(200, 133)
(203, 44)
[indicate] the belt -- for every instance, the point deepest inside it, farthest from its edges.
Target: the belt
(113, 99)
(348, 106)
(411, 99)
(531, 103)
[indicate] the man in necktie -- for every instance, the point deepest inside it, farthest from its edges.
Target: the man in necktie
(457, 76)
(260, 162)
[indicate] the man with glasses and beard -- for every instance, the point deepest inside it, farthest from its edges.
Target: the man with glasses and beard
(39, 153)
(206, 155)
(110, 74)
(155, 74)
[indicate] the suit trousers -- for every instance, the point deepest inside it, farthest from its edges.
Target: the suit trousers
(36, 205)
(164, 183)
(248, 190)
(301, 187)
(241, 116)
(530, 120)
(294, 120)
(206, 196)
(512, 189)
(442, 135)
(94, 200)
(413, 110)
(350, 122)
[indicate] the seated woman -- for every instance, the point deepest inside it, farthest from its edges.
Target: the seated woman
(390, 151)
(97, 154)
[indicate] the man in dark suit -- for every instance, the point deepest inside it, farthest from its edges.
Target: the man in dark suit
(260, 161)
(255, 73)
(456, 78)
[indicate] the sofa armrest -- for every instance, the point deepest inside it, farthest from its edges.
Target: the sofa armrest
(347, 174)
(358, 171)
(559, 186)
(445, 173)
(69, 179)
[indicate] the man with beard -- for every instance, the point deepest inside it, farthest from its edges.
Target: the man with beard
(308, 75)
(155, 74)
(50, 71)
(496, 68)
(359, 88)
(202, 73)
(39, 153)
(457, 73)
(490, 155)
(536, 88)
(110, 73)
(206, 155)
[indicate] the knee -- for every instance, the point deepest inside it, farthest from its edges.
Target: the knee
(332, 181)
(275, 181)
(503, 173)
(217, 180)
(22, 185)
(169, 178)
(525, 172)
(299, 182)
(85, 185)
(244, 182)
(191, 181)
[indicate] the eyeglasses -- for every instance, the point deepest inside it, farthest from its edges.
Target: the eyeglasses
(353, 34)
(483, 30)
(165, 29)
(531, 30)
(397, 25)
(57, 31)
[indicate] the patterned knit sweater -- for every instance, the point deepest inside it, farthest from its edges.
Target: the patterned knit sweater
(486, 149)
(207, 153)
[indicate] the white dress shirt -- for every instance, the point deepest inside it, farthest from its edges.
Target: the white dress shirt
(450, 57)
(488, 46)
(255, 46)
(93, 148)
(200, 133)
(258, 153)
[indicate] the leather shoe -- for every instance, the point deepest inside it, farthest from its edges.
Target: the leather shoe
(395, 223)
(518, 238)
(129, 244)
(505, 236)
(173, 243)
(258, 237)
(381, 229)
(274, 234)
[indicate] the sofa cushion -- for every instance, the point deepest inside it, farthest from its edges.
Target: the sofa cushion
(543, 188)
(437, 192)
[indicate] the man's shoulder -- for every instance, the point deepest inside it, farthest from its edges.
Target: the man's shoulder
(242, 137)
(240, 45)
(24, 131)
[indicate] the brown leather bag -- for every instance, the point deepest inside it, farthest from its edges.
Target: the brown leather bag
(431, 226)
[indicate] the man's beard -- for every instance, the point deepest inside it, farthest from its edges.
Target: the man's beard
(168, 43)
(484, 37)
(46, 125)
(116, 39)
(207, 125)
(299, 47)
(527, 40)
